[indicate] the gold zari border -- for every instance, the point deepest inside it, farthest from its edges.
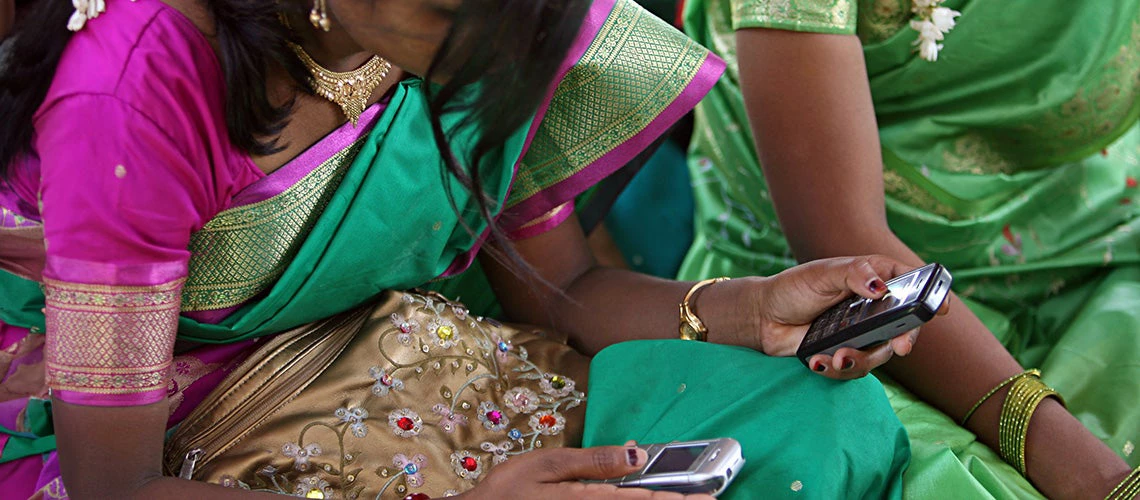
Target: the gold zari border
(242, 251)
(633, 70)
(104, 339)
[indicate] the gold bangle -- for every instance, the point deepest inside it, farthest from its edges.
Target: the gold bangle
(1128, 488)
(1016, 412)
(1034, 372)
(692, 328)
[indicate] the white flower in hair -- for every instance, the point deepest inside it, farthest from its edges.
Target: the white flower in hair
(927, 31)
(943, 18)
(928, 49)
(85, 10)
(932, 24)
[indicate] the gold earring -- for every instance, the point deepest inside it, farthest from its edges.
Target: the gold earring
(319, 16)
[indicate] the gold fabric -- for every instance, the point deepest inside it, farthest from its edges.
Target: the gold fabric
(383, 401)
(242, 251)
(634, 69)
(818, 16)
(110, 339)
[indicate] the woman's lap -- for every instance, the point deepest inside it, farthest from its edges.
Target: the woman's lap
(802, 434)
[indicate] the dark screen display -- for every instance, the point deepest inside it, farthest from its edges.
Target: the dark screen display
(678, 459)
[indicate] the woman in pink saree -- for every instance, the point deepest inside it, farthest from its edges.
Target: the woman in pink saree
(178, 199)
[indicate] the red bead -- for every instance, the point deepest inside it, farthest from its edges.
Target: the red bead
(469, 463)
(386, 379)
(405, 423)
(547, 421)
(1130, 182)
(417, 496)
(495, 417)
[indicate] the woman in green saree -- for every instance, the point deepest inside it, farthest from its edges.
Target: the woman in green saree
(996, 138)
(187, 186)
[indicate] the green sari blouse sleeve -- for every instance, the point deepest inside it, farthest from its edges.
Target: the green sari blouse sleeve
(813, 16)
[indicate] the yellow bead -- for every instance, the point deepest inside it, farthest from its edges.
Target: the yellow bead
(315, 493)
(557, 382)
(445, 332)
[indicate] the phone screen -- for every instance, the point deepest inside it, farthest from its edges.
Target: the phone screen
(676, 459)
(901, 290)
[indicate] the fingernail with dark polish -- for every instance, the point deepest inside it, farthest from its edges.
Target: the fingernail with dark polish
(820, 367)
(876, 285)
(848, 364)
(631, 456)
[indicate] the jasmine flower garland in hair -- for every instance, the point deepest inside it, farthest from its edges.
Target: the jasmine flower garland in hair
(933, 22)
(85, 10)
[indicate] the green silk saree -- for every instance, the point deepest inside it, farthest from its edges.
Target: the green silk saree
(1013, 160)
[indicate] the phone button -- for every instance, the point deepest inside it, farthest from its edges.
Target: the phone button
(715, 453)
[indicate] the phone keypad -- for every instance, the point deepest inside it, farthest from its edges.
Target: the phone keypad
(834, 319)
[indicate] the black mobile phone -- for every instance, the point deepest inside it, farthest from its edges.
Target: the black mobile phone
(912, 299)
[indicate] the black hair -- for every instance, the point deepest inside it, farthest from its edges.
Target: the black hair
(28, 57)
(520, 45)
(512, 50)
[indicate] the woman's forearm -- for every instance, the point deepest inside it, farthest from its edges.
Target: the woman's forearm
(957, 360)
(603, 306)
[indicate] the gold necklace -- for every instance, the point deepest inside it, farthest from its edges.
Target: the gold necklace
(349, 90)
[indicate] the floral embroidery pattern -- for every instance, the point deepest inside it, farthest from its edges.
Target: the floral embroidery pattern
(498, 451)
(384, 382)
(557, 385)
(521, 400)
(547, 423)
(411, 468)
(492, 417)
(301, 455)
(449, 420)
(445, 331)
(311, 486)
(407, 327)
(466, 464)
(481, 376)
(355, 418)
(405, 423)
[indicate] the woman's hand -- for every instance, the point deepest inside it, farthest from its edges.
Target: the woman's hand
(781, 308)
(557, 474)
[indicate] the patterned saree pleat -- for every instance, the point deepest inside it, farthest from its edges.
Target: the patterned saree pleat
(242, 251)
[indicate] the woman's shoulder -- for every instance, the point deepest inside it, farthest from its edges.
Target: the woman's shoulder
(143, 53)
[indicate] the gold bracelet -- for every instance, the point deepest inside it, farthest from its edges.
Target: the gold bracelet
(1016, 412)
(692, 328)
(1034, 372)
(1128, 488)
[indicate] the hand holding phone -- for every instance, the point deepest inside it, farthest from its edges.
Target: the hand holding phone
(687, 467)
(860, 323)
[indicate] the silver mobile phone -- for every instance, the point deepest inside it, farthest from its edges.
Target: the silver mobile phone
(687, 467)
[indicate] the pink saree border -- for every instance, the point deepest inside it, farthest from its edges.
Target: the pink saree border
(314, 156)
